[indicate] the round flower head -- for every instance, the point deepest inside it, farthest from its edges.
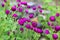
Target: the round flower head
(5, 0)
(57, 28)
(24, 19)
(39, 6)
(57, 14)
(8, 33)
(20, 9)
(34, 24)
(55, 36)
(3, 4)
(7, 12)
(52, 18)
(18, 0)
(21, 22)
(26, 11)
(31, 15)
(34, 8)
(28, 26)
(39, 30)
(28, 6)
(46, 31)
(35, 29)
(28, 20)
(24, 3)
(14, 15)
(21, 29)
(49, 23)
(40, 11)
(13, 8)
(19, 4)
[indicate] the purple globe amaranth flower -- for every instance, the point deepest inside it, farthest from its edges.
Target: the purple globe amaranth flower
(24, 19)
(20, 9)
(24, 3)
(13, 8)
(46, 31)
(39, 6)
(18, 0)
(57, 14)
(5, 0)
(49, 23)
(40, 11)
(21, 22)
(34, 8)
(26, 11)
(28, 6)
(3, 4)
(57, 28)
(21, 29)
(34, 24)
(28, 20)
(38, 30)
(31, 15)
(35, 29)
(8, 33)
(19, 4)
(55, 36)
(7, 12)
(31, 28)
(14, 15)
(28, 26)
(52, 18)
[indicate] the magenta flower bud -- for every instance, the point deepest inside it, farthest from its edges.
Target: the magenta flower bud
(35, 29)
(8, 33)
(18, 0)
(55, 36)
(57, 28)
(28, 20)
(21, 29)
(28, 6)
(13, 8)
(39, 6)
(49, 23)
(40, 11)
(24, 3)
(31, 28)
(14, 15)
(5, 0)
(21, 22)
(46, 31)
(24, 19)
(28, 26)
(34, 8)
(39, 31)
(26, 11)
(19, 4)
(3, 4)
(31, 15)
(52, 18)
(7, 12)
(34, 24)
(57, 14)
(20, 9)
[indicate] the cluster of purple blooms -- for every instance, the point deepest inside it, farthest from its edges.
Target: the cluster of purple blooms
(56, 27)
(33, 25)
